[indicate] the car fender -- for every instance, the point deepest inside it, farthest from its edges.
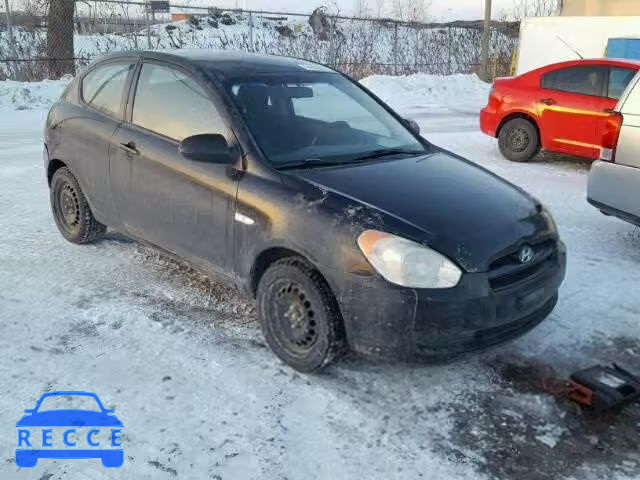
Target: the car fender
(96, 212)
(304, 219)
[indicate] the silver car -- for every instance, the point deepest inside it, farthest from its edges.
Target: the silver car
(614, 180)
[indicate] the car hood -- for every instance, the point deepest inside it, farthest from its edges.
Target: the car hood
(69, 418)
(458, 208)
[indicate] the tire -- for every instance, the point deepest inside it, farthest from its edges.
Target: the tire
(518, 140)
(291, 290)
(71, 210)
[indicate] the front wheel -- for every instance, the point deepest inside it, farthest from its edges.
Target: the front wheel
(71, 210)
(299, 315)
(518, 140)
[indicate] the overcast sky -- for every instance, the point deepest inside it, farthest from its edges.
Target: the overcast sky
(439, 9)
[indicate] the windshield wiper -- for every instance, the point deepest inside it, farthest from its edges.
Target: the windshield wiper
(384, 152)
(310, 162)
(320, 162)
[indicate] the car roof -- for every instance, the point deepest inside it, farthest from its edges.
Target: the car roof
(593, 61)
(619, 62)
(227, 63)
(68, 393)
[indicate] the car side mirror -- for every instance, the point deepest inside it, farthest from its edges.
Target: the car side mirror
(412, 125)
(207, 147)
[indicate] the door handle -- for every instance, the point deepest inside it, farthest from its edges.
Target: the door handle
(130, 147)
(548, 101)
(608, 110)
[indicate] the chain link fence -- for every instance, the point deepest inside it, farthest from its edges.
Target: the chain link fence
(57, 37)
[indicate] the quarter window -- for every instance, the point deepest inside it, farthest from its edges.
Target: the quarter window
(103, 87)
(585, 80)
(173, 104)
(632, 102)
(619, 78)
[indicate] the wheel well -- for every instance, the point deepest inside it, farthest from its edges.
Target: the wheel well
(264, 260)
(513, 116)
(53, 166)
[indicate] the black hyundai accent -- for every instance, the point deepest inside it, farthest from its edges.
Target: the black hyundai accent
(304, 189)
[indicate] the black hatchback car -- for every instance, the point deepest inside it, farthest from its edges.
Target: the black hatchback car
(304, 189)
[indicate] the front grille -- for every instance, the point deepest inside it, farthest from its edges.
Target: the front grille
(509, 270)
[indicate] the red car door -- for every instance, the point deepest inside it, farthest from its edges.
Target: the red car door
(570, 108)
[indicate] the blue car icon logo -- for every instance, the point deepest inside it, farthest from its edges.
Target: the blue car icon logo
(69, 433)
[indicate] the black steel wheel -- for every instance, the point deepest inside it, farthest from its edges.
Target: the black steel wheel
(71, 210)
(518, 140)
(299, 315)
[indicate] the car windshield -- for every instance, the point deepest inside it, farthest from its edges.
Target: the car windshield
(69, 402)
(318, 117)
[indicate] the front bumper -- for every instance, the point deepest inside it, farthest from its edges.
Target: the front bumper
(615, 190)
(389, 321)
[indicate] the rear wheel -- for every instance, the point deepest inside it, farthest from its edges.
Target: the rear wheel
(518, 140)
(71, 210)
(299, 315)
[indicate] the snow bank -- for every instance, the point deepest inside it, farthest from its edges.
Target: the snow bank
(418, 90)
(426, 90)
(30, 95)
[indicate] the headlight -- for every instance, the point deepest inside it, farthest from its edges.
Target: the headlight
(547, 216)
(407, 263)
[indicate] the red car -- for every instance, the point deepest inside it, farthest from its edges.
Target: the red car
(561, 108)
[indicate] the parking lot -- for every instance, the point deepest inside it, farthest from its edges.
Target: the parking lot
(181, 359)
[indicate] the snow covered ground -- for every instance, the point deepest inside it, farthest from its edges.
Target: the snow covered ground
(439, 106)
(181, 359)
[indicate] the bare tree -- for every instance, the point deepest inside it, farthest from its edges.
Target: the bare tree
(361, 8)
(417, 10)
(381, 9)
(410, 10)
(398, 9)
(522, 9)
(36, 7)
(60, 38)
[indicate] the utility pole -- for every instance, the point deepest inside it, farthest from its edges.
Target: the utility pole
(9, 27)
(486, 36)
(147, 7)
(251, 31)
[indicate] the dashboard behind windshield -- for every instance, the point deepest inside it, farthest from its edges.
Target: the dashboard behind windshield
(316, 116)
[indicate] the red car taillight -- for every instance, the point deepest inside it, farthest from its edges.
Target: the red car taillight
(610, 137)
(494, 97)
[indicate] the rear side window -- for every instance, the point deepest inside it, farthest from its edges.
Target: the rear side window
(173, 104)
(632, 103)
(587, 80)
(103, 87)
(619, 78)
